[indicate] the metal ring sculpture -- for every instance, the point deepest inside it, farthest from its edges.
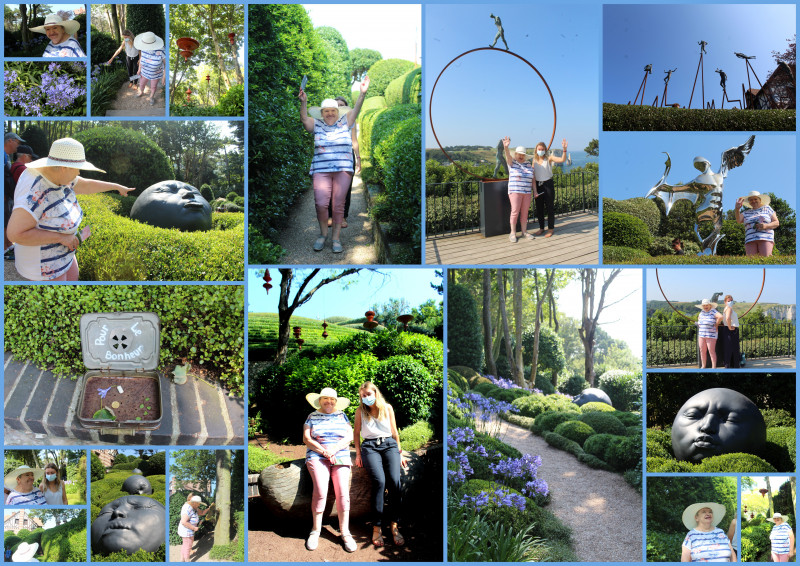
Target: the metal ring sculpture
(430, 104)
(763, 281)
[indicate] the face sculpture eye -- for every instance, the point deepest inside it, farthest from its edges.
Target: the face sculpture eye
(717, 421)
(173, 204)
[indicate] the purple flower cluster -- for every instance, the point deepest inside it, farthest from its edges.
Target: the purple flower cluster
(524, 468)
(459, 445)
(56, 91)
(497, 498)
(502, 382)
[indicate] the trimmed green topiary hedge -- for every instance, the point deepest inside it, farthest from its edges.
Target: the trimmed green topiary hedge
(534, 405)
(780, 447)
(203, 324)
(405, 89)
(138, 556)
(383, 72)
(624, 388)
(597, 406)
(724, 463)
(66, 542)
(110, 488)
(642, 208)
(625, 230)
(603, 423)
(157, 254)
(548, 421)
(621, 117)
(128, 157)
(624, 255)
(576, 431)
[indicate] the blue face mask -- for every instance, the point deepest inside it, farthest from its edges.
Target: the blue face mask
(369, 401)
(50, 477)
(540, 152)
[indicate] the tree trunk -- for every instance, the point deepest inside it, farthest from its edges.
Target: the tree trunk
(501, 295)
(517, 294)
(793, 481)
(210, 9)
(771, 510)
(487, 322)
(222, 530)
(590, 316)
(548, 290)
(115, 29)
(23, 12)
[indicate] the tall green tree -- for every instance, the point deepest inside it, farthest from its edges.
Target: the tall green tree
(339, 65)
(463, 329)
(222, 531)
(360, 62)
(147, 17)
(593, 148)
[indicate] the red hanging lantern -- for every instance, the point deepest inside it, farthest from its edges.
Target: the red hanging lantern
(297, 330)
(763, 491)
(188, 95)
(231, 37)
(300, 343)
(186, 46)
(405, 319)
(208, 78)
(324, 329)
(267, 285)
(370, 315)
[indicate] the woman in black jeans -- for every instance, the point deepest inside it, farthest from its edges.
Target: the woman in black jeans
(543, 177)
(380, 453)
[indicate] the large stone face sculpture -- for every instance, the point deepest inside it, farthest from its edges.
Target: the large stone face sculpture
(137, 485)
(717, 421)
(173, 204)
(129, 523)
(592, 395)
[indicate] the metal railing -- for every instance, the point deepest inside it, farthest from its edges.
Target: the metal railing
(671, 345)
(454, 207)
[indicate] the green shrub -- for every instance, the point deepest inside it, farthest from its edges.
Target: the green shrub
(98, 469)
(416, 436)
(625, 230)
(486, 387)
(155, 254)
(643, 208)
(65, 542)
(629, 419)
(777, 417)
(543, 384)
(624, 255)
(201, 324)
(597, 406)
(103, 47)
(791, 446)
(548, 421)
(598, 444)
(624, 454)
(10, 540)
(138, 556)
(155, 465)
(576, 431)
(533, 405)
(648, 118)
(755, 541)
(110, 488)
(23, 533)
(128, 157)
(659, 443)
(635, 430)
(146, 17)
(594, 462)
(465, 342)
(479, 464)
(408, 386)
(456, 376)
(106, 87)
(603, 423)
(405, 89)
(373, 103)
(232, 102)
(776, 451)
(734, 463)
(663, 465)
(664, 547)
(624, 388)
(383, 72)
(35, 537)
(453, 390)
(524, 422)
(572, 385)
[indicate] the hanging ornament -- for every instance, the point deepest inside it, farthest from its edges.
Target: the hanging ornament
(267, 285)
(405, 319)
(324, 329)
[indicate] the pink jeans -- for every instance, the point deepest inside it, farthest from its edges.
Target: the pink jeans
(186, 548)
(780, 557)
(322, 471)
(759, 247)
(327, 185)
(71, 274)
(520, 203)
(711, 345)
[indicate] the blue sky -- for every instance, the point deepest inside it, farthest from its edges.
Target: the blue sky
(485, 96)
(633, 162)
(667, 37)
(394, 29)
(364, 290)
(742, 283)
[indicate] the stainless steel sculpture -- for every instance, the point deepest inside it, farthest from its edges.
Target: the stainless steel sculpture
(500, 33)
(704, 192)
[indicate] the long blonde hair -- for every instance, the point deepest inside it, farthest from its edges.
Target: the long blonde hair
(57, 481)
(380, 402)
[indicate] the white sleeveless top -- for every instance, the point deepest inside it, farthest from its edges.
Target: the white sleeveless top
(373, 428)
(734, 318)
(54, 497)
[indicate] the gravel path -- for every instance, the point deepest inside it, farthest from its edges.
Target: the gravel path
(303, 228)
(128, 104)
(604, 512)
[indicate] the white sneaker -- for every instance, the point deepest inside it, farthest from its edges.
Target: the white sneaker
(349, 543)
(312, 542)
(512, 238)
(529, 236)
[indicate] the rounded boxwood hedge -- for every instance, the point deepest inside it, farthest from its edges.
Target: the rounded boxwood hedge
(508, 395)
(598, 444)
(405, 89)
(625, 230)
(629, 419)
(572, 385)
(735, 463)
(548, 421)
(640, 207)
(623, 255)
(597, 406)
(485, 388)
(576, 431)
(383, 72)
(664, 465)
(536, 404)
(128, 156)
(66, 542)
(456, 375)
(777, 450)
(603, 423)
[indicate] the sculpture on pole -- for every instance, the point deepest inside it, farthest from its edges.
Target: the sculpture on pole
(500, 33)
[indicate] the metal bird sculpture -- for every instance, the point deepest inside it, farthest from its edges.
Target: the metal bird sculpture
(704, 192)
(743, 56)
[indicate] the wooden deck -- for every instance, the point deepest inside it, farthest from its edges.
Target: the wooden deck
(787, 362)
(575, 242)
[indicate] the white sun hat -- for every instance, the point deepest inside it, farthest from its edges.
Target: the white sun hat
(316, 111)
(689, 521)
(148, 41)
(70, 26)
(341, 402)
(65, 152)
(765, 200)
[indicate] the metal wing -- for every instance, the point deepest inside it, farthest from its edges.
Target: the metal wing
(734, 156)
(670, 194)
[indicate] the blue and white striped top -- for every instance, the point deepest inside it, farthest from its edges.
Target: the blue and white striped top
(35, 497)
(779, 537)
(152, 63)
(707, 324)
(520, 177)
(753, 216)
(329, 429)
(55, 209)
(708, 547)
(333, 147)
(68, 48)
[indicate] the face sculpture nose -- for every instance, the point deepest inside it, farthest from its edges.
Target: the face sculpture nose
(709, 424)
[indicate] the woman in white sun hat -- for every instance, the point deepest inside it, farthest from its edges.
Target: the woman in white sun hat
(520, 185)
(781, 539)
(759, 221)
(152, 62)
(707, 322)
(46, 215)
(25, 552)
(188, 525)
(60, 32)
(705, 542)
(21, 484)
(332, 166)
(327, 435)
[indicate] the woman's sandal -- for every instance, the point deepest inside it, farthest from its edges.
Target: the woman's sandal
(349, 543)
(377, 539)
(313, 540)
(397, 537)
